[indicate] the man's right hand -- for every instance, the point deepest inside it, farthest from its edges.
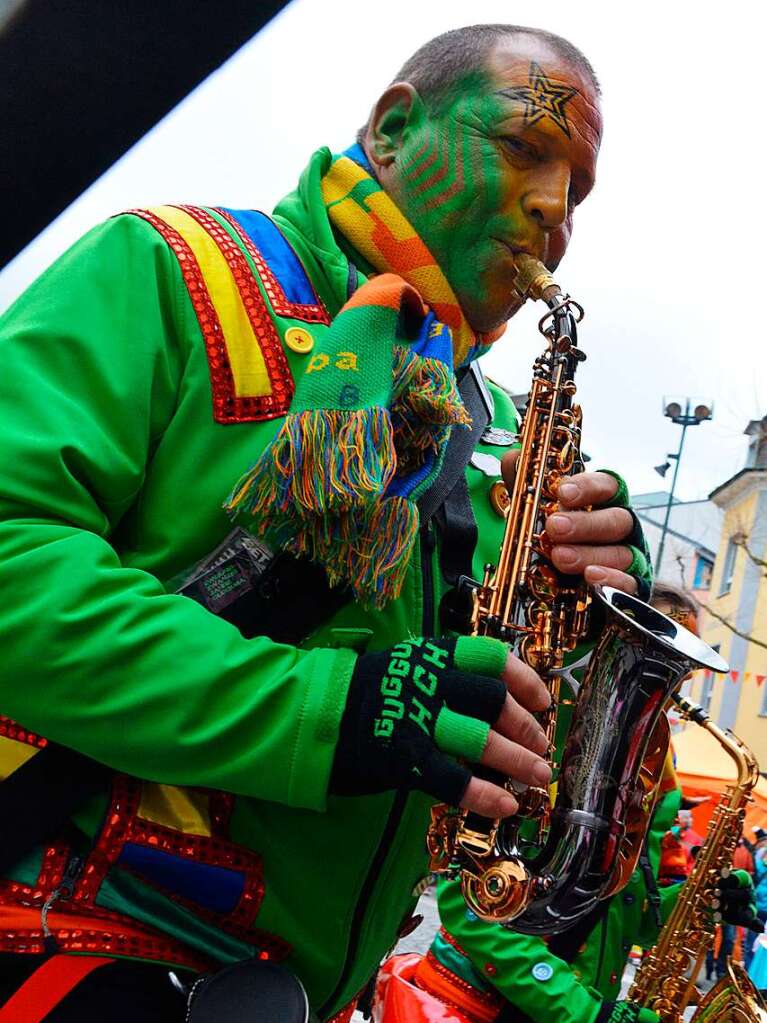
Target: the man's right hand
(413, 709)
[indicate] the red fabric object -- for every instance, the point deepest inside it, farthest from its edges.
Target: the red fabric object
(48, 985)
(398, 1000)
(675, 858)
(742, 859)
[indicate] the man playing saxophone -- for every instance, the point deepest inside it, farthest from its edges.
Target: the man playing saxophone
(177, 350)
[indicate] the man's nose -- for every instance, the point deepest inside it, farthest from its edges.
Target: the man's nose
(546, 199)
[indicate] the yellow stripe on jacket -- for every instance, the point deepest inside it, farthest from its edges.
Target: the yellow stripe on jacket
(249, 372)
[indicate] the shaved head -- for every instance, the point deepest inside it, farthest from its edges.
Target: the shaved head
(436, 66)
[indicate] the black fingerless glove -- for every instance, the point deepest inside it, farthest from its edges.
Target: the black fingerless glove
(624, 1012)
(413, 708)
(737, 901)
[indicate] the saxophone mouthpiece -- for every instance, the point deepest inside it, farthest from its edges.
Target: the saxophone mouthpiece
(533, 280)
(691, 710)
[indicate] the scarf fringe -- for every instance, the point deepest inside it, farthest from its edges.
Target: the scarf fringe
(425, 396)
(318, 490)
(369, 552)
(321, 461)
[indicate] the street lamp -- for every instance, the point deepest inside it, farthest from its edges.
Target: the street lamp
(692, 416)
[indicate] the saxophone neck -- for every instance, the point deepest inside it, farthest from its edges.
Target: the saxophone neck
(744, 759)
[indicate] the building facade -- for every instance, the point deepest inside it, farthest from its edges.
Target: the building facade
(738, 595)
(691, 539)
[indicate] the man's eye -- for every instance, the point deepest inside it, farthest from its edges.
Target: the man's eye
(519, 148)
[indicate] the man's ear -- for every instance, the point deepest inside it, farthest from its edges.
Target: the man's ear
(397, 111)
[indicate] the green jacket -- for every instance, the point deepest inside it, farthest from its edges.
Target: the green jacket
(111, 483)
(524, 971)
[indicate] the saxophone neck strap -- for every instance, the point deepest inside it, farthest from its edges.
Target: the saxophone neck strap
(448, 503)
(651, 885)
(478, 403)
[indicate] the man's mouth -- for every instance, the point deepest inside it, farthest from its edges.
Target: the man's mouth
(516, 249)
(528, 250)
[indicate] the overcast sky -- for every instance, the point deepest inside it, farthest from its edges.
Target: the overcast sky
(668, 253)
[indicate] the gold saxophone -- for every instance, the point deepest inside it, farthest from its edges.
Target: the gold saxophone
(585, 847)
(665, 981)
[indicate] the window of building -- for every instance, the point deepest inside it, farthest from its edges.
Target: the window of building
(729, 567)
(704, 568)
(763, 708)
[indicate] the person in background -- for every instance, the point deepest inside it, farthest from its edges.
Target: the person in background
(760, 884)
(675, 858)
(743, 858)
(689, 837)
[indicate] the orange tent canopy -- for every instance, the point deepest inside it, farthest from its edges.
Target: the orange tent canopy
(704, 768)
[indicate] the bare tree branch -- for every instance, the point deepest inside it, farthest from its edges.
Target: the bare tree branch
(740, 539)
(731, 627)
(680, 563)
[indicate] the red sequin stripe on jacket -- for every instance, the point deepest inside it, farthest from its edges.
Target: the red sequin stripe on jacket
(42, 916)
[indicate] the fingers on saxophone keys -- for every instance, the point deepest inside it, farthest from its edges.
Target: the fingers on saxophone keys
(515, 761)
(575, 560)
(604, 525)
(488, 800)
(525, 685)
(585, 488)
(514, 722)
(611, 577)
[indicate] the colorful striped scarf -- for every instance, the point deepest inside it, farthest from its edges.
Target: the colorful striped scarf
(372, 414)
(363, 212)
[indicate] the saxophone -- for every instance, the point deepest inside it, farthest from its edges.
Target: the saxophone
(584, 847)
(665, 981)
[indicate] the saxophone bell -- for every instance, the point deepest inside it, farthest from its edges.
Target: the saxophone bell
(603, 799)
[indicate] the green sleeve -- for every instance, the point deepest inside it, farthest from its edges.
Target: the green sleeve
(96, 655)
(521, 968)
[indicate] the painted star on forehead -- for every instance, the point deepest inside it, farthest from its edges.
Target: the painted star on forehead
(542, 98)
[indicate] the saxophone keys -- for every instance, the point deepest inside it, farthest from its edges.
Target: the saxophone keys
(476, 844)
(499, 892)
(440, 838)
(533, 802)
(499, 498)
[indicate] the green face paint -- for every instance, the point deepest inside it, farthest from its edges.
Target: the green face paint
(498, 169)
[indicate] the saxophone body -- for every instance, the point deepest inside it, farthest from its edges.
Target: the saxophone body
(665, 981)
(585, 844)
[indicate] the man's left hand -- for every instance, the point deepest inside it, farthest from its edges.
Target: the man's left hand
(587, 542)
